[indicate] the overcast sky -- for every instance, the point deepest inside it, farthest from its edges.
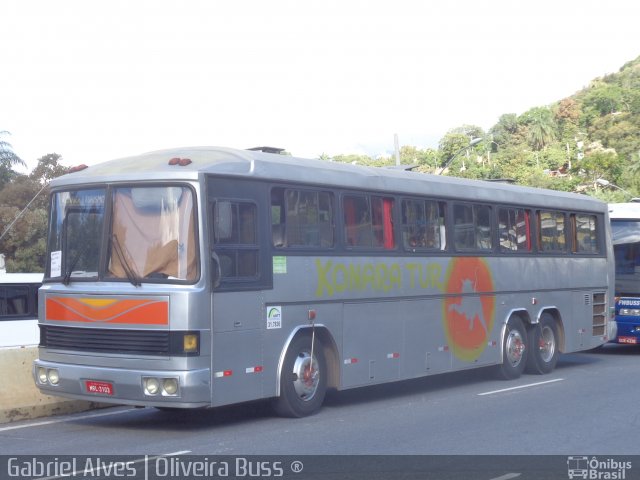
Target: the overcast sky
(96, 80)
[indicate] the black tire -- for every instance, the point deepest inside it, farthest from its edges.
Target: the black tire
(514, 350)
(302, 390)
(543, 346)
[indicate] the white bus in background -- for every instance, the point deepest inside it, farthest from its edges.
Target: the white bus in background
(19, 309)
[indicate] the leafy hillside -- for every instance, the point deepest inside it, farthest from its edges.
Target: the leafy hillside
(588, 142)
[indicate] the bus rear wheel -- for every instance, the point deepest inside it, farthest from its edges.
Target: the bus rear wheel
(543, 346)
(303, 381)
(514, 350)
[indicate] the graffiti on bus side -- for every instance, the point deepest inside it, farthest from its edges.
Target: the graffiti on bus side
(467, 318)
(339, 277)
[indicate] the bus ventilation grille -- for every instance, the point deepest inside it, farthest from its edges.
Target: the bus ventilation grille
(141, 342)
(599, 314)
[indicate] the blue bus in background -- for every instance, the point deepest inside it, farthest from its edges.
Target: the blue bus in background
(625, 226)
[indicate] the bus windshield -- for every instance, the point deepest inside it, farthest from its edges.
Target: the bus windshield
(148, 234)
(626, 245)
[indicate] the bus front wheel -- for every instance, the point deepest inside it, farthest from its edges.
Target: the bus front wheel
(303, 380)
(514, 349)
(543, 346)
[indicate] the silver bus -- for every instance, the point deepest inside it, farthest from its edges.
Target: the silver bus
(209, 276)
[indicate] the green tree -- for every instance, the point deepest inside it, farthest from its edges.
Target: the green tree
(541, 127)
(604, 98)
(8, 161)
(24, 244)
(599, 163)
(413, 155)
(451, 146)
(567, 117)
(48, 168)
(634, 165)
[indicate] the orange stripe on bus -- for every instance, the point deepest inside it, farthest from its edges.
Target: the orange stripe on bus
(130, 311)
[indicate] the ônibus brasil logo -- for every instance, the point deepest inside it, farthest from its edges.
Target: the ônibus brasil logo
(468, 319)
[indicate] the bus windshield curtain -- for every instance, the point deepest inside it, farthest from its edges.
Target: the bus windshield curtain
(350, 217)
(528, 229)
(388, 223)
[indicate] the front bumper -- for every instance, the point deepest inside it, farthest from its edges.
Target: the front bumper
(122, 386)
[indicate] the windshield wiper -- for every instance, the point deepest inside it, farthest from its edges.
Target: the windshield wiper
(131, 275)
(67, 274)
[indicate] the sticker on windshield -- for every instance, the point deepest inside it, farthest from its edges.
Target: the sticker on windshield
(274, 317)
(56, 263)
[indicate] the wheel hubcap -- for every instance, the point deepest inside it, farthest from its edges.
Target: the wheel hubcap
(514, 348)
(306, 376)
(547, 344)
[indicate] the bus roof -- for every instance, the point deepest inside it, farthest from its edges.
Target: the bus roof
(628, 211)
(158, 165)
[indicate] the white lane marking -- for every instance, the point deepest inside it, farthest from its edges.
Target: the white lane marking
(521, 386)
(174, 454)
(67, 419)
(507, 476)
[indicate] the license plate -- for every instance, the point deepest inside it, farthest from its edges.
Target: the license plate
(632, 340)
(99, 388)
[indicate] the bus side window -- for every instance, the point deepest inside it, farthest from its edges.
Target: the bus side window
(278, 234)
(236, 239)
(14, 300)
(301, 218)
(423, 225)
(3, 302)
(514, 230)
(551, 231)
(357, 221)
(584, 233)
(368, 221)
(472, 227)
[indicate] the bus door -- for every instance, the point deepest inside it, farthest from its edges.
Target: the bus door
(240, 269)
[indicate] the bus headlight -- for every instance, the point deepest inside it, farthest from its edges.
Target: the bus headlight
(53, 376)
(151, 385)
(170, 386)
(42, 375)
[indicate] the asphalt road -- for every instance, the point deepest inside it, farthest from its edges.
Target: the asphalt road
(588, 406)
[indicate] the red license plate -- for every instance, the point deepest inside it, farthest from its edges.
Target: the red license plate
(632, 340)
(99, 388)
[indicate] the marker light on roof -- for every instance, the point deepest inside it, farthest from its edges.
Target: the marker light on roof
(180, 161)
(77, 168)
